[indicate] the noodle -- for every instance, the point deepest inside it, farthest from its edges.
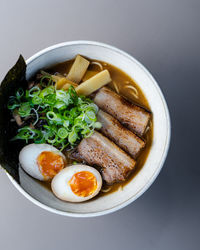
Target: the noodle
(98, 64)
(116, 86)
(120, 188)
(106, 190)
(133, 88)
(58, 74)
(147, 129)
(134, 91)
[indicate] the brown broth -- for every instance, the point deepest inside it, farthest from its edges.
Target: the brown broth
(121, 79)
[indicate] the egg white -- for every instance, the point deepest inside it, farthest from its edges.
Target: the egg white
(28, 158)
(62, 189)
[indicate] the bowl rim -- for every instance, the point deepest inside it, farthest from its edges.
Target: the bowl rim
(163, 157)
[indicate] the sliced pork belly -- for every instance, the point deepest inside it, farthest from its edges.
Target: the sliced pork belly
(120, 135)
(132, 116)
(98, 150)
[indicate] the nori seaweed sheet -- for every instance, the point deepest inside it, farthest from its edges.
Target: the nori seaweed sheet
(9, 151)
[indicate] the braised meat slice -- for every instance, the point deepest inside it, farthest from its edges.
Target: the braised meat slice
(130, 115)
(120, 135)
(97, 150)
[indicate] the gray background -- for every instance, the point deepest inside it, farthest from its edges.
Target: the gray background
(165, 37)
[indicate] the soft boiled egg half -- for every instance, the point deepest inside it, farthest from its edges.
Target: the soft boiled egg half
(77, 183)
(41, 161)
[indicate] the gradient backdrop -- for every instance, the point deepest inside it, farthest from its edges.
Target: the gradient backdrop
(165, 37)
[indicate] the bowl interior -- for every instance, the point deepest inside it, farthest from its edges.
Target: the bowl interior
(59, 53)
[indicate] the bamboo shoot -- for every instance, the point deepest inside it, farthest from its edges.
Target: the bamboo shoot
(78, 69)
(94, 83)
(62, 82)
(67, 85)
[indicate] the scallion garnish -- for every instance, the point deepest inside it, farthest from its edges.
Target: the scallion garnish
(58, 117)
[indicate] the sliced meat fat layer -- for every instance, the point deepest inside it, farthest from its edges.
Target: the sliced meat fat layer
(130, 115)
(97, 150)
(120, 135)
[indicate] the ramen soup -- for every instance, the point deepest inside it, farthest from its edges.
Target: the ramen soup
(84, 127)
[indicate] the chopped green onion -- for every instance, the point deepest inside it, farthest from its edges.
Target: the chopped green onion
(51, 115)
(60, 105)
(73, 136)
(50, 99)
(19, 94)
(90, 116)
(34, 91)
(13, 103)
(67, 117)
(66, 123)
(52, 140)
(47, 91)
(24, 109)
(89, 134)
(37, 116)
(45, 79)
(36, 100)
(97, 125)
(62, 133)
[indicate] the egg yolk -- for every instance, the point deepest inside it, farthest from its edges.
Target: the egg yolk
(50, 164)
(83, 183)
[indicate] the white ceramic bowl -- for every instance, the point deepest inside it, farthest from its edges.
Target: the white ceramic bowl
(161, 138)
